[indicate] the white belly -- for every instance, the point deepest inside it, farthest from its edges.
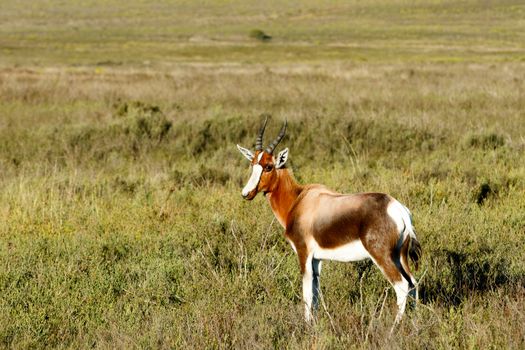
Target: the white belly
(353, 251)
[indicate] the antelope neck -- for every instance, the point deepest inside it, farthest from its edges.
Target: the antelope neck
(283, 195)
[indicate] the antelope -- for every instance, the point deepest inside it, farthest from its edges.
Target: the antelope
(321, 224)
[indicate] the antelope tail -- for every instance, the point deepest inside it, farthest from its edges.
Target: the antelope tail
(403, 219)
(414, 251)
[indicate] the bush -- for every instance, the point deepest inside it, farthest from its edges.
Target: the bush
(489, 140)
(143, 121)
(259, 35)
(463, 273)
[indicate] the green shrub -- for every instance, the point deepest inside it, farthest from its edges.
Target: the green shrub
(259, 35)
(489, 140)
(143, 121)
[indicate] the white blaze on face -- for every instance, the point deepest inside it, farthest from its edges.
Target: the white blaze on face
(257, 170)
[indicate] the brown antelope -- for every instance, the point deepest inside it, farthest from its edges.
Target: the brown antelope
(321, 224)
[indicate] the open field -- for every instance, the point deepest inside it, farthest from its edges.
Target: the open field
(116, 32)
(122, 223)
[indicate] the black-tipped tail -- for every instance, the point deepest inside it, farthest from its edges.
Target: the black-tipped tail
(415, 252)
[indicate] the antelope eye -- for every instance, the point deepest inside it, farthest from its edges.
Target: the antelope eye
(268, 167)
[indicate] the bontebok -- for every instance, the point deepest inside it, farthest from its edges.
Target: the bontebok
(321, 224)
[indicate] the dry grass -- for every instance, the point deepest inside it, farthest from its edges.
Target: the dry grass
(110, 227)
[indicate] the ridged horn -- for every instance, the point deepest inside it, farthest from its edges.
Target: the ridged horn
(275, 142)
(258, 142)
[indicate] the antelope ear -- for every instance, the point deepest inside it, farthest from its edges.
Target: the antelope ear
(246, 152)
(282, 157)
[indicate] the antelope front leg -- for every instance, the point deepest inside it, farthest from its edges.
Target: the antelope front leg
(308, 288)
(311, 273)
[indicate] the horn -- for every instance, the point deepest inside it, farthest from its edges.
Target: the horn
(258, 142)
(275, 142)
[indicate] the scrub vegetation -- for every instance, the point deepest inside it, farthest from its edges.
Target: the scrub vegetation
(122, 223)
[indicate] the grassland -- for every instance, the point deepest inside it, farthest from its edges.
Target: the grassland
(122, 224)
(120, 32)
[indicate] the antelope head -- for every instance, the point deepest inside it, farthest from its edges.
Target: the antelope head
(264, 165)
